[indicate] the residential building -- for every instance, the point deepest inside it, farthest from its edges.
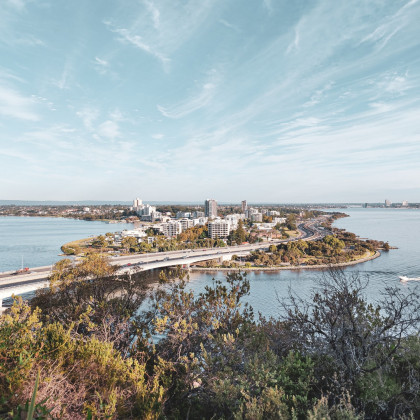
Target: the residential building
(272, 213)
(249, 212)
(219, 229)
(136, 233)
(171, 228)
(137, 203)
(388, 203)
(233, 219)
(198, 214)
(186, 223)
(244, 206)
(183, 215)
(404, 203)
(210, 208)
(146, 212)
(280, 220)
(199, 221)
(256, 217)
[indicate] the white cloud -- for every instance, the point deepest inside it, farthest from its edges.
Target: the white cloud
(109, 129)
(88, 116)
(158, 136)
(13, 104)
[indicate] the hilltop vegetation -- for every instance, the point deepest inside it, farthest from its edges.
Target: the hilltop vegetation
(205, 355)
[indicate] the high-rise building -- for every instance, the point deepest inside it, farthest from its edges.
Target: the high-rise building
(388, 203)
(210, 208)
(137, 203)
(244, 206)
(404, 203)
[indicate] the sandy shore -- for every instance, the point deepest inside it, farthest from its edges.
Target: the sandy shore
(291, 267)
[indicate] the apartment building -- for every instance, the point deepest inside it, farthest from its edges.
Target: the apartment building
(219, 229)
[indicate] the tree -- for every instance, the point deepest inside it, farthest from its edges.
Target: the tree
(240, 235)
(291, 222)
(130, 243)
(100, 242)
(357, 340)
(92, 295)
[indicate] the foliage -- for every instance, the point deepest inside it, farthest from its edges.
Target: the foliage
(360, 343)
(90, 348)
(77, 374)
(92, 296)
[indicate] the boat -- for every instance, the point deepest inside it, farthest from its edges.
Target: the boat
(405, 278)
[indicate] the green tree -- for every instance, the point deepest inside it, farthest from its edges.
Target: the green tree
(291, 222)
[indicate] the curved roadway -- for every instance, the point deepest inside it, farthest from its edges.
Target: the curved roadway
(38, 275)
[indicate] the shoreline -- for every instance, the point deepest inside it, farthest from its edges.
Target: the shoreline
(294, 267)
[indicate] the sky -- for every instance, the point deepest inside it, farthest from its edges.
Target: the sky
(180, 100)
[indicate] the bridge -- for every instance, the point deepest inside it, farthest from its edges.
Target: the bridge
(37, 278)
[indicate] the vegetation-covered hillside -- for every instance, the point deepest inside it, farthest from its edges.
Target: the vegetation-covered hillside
(88, 352)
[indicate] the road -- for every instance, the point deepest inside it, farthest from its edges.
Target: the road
(38, 275)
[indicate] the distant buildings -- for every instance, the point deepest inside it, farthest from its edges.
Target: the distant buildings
(404, 203)
(388, 203)
(210, 208)
(146, 212)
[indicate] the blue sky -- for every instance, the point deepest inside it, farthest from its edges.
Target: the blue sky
(264, 100)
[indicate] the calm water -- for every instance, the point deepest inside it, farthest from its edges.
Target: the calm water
(401, 228)
(38, 239)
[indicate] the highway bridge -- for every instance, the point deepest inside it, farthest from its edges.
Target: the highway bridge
(37, 278)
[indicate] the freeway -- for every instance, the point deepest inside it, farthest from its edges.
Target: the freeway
(12, 283)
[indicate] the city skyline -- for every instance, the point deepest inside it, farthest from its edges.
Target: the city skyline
(274, 101)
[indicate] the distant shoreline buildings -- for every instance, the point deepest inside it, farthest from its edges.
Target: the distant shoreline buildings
(218, 227)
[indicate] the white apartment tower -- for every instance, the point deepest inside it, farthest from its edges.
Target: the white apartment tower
(210, 208)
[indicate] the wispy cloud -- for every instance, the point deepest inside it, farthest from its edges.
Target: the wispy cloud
(127, 36)
(88, 115)
(64, 81)
(194, 103)
(229, 25)
(154, 11)
(15, 105)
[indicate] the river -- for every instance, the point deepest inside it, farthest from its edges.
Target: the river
(39, 241)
